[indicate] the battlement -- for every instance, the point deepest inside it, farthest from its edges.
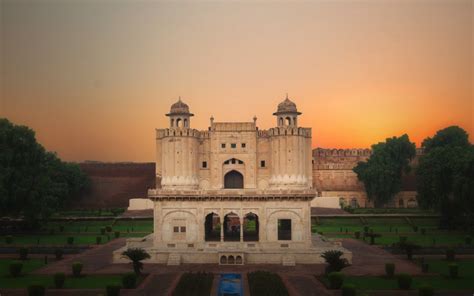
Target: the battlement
(290, 130)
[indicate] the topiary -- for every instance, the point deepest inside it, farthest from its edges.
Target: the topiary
(36, 290)
(59, 279)
(112, 290)
(98, 240)
(15, 268)
(59, 254)
(425, 290)
(117, 234)
(453, 270)
(357, 234)
(70, 240)
(108, 228)
(348, 290)
(77, 269)
(129, 280)
(23, 253)
(336, 279)
(404, 281)
(389, 269)
(450, 254)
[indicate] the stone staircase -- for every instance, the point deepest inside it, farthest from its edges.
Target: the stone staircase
(288, 260)
(174, 259)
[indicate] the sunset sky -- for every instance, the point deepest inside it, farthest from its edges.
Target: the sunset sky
(95, 78)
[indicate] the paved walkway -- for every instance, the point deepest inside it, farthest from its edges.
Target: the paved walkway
(370, 260)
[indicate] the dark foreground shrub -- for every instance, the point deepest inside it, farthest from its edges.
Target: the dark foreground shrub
(264, 283)
(468, 240)
(112, 290)
(404, 281)
(98, 240)
(425, 267)
(102, 231)
(450, 254)
(108, 228)
(15, 268)
(334, 261)
(453, 270)
(8, 239)
(129, 280)
(348, 290)
(70, 240)
(425, 290)
(336, 279)
(59, 254)
(36, 290)
(200, 283)
(59, 279)
(117, 234)
(357, 234)
(77, 269)
(23, 252)
(389, 269)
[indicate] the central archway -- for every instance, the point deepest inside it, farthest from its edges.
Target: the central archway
(233, 179)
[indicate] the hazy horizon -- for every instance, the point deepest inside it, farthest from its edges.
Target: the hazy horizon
(95, 78)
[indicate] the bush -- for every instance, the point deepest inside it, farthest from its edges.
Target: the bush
(450, 254)
(453, 270)
(108, 228)
(61, 228)
(70, 240)
(334, 261)
(348, 290)
(98, 240)
(59, 279)
(129, 280)
(117, 234)
(425, 290)
(403, 239)
(389, 269)
(264, 283)
(36, 290)
(112, 290)
(336, 279)
(102, 231)
(8, 239)
(468, 240)
(404, 281)
(415, 228)
(357, 234)
(425, 267)
(23, 253)
(77, 269)
(59, 254)
(15, 268)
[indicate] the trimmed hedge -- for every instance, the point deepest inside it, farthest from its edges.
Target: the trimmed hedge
(129, 280)
(15, 268)
(77, 269)
(59, 279)
(336, 279)
(404, 281)
(112, 290)
(348, 290)
(453, 270)
(36, 290)
(194, 284)
(264, 283)
(389, 269)
(426, 290)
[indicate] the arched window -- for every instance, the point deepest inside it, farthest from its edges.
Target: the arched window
(251, 227)
(212, 227)
(233, 179)
(288, 121)
(281, 121)
(223, 260)
(185, 122)
(400, 203)
(231, 228)
(172, 122)
(178, 122)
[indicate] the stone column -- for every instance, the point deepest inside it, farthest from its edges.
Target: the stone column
(221, 217)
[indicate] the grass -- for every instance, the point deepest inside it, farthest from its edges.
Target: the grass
(84, 282)
(28, 266)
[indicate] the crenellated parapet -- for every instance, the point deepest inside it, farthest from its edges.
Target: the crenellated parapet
(290, 131)
(177, 132)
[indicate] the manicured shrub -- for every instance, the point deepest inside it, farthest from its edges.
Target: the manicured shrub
(425, 267)
(8, 239)
(262, 283)
(336, 279)
(23, 252)
(357, 234)
(403, 239)
(373, 236)
(98, 240)
(389, 269)
(117, 234)
(334, 261)
(36, 290)
(70, 240)
(404, 281)
(112, 290)
(77, 269)
(468, 240)
(129, 280)
(15, 268)
(59, 279)
(108, 228)
(409, 247)
(366, 229)
(450, 254)
(59, 254)
(348, 290)
(425, 290)
(102, 231)
(453, 270)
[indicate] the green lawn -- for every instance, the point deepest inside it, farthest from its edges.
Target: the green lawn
(28, 265)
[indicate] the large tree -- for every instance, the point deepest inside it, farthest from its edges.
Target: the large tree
(445, 179)
(382, 172)
(33, 182)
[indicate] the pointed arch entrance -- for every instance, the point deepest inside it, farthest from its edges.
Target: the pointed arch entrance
(212, 227)
(233, 180)
(251, 228)
(231, 227)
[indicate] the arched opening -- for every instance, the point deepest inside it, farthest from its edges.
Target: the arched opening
(412, 203)
(178, 122)
(251, 227)
(354, 203)
(231, 228)
(231, 260)
(185, 122)
(233, 179)
(294, 121)
(400, 203)
(288, 121)
(280, 121)
(212, 228)
(238, 260)
(172, 122)
(223, 260)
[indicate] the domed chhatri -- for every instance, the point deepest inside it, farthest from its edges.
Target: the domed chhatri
(179, 108)
(287, 106)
